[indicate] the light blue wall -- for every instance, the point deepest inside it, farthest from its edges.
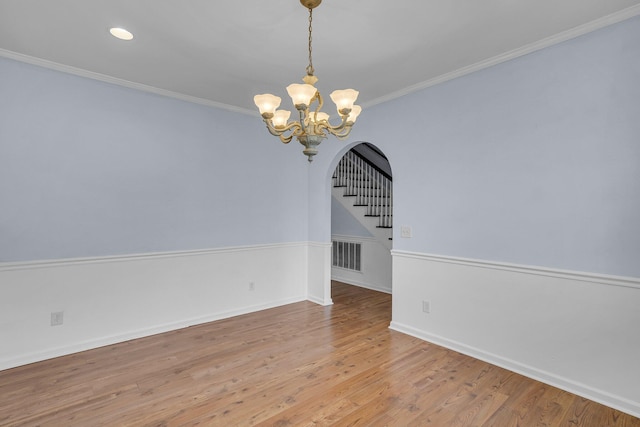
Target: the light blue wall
(344, 223)
(92, 169)
(535, 161)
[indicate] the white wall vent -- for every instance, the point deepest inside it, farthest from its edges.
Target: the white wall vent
(347, 255)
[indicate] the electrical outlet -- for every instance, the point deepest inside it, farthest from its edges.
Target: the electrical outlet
(57, 318)
(405, 231)
(252, 286)
(426, 306)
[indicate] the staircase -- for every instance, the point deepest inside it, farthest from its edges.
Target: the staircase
(366, 191)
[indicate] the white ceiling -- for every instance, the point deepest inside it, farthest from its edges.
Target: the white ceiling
(224, 52)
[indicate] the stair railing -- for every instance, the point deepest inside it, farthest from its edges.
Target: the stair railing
(370, 186)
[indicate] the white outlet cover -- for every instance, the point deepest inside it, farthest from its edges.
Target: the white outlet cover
(405, 231)
(426, 306)
(57, 318)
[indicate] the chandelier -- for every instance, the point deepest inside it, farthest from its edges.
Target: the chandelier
(313, 124)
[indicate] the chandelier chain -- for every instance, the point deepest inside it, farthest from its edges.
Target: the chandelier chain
(310, 69)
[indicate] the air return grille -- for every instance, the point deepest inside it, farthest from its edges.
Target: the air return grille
(347, 255)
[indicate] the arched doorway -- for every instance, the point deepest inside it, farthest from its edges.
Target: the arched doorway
(362, 218)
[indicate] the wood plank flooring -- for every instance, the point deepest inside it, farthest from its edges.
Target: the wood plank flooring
(296, 365)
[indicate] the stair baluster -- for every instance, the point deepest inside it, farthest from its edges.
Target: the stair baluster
(371, 188)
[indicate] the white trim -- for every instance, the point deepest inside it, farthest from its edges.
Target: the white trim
(130, 335)
(580, 30)
(361, 285)
(627, 282)
(152, 286)
(319, 244)
(566, 384)
(611, 19)
(345, 269)
(352, 239)
(29, 265)
(319, 272)
(319, 301)
(120, 82)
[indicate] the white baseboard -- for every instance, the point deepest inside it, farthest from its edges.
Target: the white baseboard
(141, 295)
(572, 330)
(319, 301)
(375, 266)
(130, 335)
(350, 281)
(574, 387)
(319, 273)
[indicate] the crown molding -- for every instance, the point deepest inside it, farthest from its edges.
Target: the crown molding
(611, 19)
(120, 82)
(580, 30)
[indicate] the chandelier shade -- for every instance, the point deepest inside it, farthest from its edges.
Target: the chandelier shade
(267, 103)
(280, 118)
(355, 112)
(344, 99)
(301, 94)
(313, 125)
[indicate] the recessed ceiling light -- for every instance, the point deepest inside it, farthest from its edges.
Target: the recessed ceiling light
(121, 33)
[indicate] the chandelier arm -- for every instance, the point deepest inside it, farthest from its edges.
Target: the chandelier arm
(317, 97)
(334, 129)
(286, 139)
(293, 127)
(287, 128)
(344, 133)
(341, 132)
(278, 131)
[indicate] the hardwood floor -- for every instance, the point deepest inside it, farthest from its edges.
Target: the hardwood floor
(296, 365)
